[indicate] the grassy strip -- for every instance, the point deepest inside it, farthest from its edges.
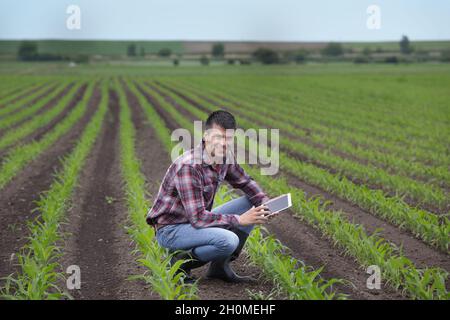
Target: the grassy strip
(20, 156)
(298, 282)
(36, 122)
(399, 271)
(424, 225)
(38, 264)
(159, 274)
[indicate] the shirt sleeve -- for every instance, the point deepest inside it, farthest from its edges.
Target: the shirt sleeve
(190, 189)
(239, 179)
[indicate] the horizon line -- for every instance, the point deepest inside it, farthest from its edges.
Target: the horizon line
(218, 40)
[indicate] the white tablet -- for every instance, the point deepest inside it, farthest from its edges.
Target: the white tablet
(279, 203)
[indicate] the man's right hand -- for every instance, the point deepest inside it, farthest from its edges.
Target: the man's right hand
(254, 216)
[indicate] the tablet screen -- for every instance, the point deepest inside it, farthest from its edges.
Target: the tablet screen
(279, 203)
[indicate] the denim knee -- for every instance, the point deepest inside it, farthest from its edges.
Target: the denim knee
(228, 243)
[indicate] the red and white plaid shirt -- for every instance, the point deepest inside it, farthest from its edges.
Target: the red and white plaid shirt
(186, 194)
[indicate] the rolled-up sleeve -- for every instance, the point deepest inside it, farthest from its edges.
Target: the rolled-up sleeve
(239, 179)
(189, 185)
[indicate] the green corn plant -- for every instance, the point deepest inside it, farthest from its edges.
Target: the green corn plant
(39, 270)
(162, 277)
(19, 156)
(343, 233)
(312, 288)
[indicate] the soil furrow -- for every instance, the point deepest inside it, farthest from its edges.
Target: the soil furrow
(50, 104)
(18, 196)
(309, 246)
(99, 243)
(33, 101)
(40, 132)
(343, 155)
(155, 162)
(23, 95)
(419, 252)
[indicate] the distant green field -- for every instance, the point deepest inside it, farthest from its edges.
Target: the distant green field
(93, 47)
(215, 68)
(394, 46)
(119, 48)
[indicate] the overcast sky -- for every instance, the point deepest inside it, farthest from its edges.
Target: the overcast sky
(258, 20)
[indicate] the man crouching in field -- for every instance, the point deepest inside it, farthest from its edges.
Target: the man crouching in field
(182, 215)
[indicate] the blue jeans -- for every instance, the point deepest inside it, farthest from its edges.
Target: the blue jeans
(210, 243)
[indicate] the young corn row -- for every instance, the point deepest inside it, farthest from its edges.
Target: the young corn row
(349, 114)
(296, 280)
(38, 273)
(11, 85)
(325, 125)
(400, 163)
(14, 135)
(7, 104)
(400, 272)
(435, 175)
(162, 277)
(397, 270)
(424, 225)
(422, 193)
(17, 117)
(395, 102)
(11, 90)
(18, 157)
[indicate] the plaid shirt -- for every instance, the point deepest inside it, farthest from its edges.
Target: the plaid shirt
(186, 194)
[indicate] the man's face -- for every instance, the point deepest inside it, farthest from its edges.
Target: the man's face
(218, 140)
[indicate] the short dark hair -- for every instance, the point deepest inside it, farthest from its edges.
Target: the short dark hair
(221, 118)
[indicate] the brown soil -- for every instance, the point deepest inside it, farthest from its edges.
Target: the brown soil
(17, 197)
(99, 243)
(46, 107)
(24, 94)
(155, 162)
(186, 98)
(38, 133)
(420, 253)
(30, 103)
(409, 200)
(161, 111)
(309, 246)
